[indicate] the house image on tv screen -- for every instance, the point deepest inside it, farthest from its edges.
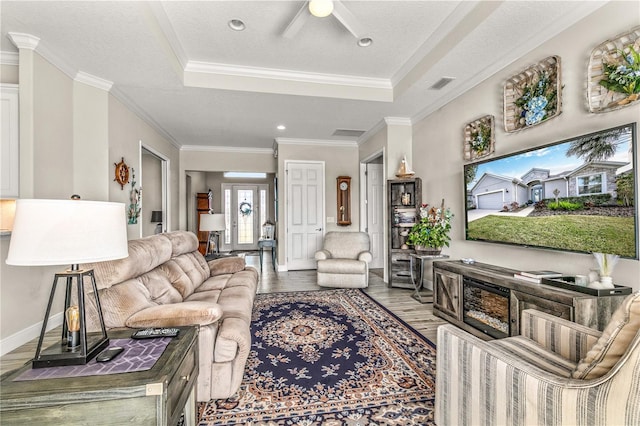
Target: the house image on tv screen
(494, 192)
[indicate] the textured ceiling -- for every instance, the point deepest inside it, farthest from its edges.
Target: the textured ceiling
(180, 66)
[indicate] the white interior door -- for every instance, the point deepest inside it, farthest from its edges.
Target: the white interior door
(305, 213)
(375, 213)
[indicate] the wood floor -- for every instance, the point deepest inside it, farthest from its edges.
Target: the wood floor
(399, 301)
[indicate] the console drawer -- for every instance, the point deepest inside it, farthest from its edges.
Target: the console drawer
(181, 383)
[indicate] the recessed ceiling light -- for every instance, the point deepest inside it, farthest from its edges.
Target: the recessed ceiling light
(365, 42)
(236, 25)
(281, 127)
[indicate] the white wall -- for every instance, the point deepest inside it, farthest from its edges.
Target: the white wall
(66, 130)
(437, 140)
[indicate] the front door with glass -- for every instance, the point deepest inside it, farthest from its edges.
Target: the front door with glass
(245, 209)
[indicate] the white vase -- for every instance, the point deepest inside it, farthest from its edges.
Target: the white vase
(606, 282)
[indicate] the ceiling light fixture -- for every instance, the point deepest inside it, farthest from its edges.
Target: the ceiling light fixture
(321, 8)
(281, 127)
(236, 25)
(365, 42)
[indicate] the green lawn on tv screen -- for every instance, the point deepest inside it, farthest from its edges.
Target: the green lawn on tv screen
(601, 234)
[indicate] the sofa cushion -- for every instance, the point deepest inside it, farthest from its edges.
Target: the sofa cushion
(175, 315)
(118, 303)
(160, 289)
(144, 255)
(615, 339)
(226, 265)
(342, 266)
(181, 242)
(346, 245)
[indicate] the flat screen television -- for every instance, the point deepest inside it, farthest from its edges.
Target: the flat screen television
(574, 195)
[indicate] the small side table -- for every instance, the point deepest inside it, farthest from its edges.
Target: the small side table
(262, 243)
(152, 397)
(418, 282)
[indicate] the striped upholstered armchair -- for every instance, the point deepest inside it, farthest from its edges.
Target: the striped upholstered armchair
(555, 373)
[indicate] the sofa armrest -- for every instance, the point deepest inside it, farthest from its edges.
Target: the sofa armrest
(175, 315)
(478, 382)
(566, 338)
(226, 265)
(365, 256)
(323, 255)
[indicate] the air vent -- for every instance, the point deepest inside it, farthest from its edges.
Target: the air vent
(442, 82)
(348, 133)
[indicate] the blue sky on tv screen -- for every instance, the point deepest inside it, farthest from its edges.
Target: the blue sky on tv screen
(553, 158)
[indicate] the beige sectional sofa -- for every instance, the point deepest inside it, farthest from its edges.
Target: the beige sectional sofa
(166, 282)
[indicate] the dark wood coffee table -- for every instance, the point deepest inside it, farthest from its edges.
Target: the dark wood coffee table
(153, 397)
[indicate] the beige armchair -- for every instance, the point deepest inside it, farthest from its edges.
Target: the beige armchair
(344, 260)
(555, 373)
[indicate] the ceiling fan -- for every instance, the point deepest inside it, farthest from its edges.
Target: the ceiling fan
(320, 9)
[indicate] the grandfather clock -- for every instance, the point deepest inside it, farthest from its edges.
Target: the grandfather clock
(204, 201)
(344, 200)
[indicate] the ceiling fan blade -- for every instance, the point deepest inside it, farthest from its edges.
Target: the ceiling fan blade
(297, 22)
(348, 19)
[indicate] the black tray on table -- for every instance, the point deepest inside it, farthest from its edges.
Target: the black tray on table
(569, 283)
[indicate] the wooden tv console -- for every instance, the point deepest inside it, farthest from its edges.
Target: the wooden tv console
(451, 276)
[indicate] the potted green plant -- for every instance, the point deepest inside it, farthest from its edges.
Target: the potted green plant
(431, 232)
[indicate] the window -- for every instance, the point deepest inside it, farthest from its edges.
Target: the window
(591, 184)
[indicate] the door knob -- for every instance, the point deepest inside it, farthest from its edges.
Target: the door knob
(318, 229)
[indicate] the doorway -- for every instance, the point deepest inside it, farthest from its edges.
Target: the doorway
(246, 209)
(154, 178)
(373, 206)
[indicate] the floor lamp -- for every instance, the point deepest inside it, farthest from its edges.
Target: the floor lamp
(63, 232)
(213, 223)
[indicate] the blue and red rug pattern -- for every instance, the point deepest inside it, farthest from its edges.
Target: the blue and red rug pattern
(333, 357)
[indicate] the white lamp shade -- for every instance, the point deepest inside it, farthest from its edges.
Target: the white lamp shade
(321, 8)
(212, 222)
(66, 232)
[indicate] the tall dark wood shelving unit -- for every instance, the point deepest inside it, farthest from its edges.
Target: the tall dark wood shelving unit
(204, 201)
(402, 215)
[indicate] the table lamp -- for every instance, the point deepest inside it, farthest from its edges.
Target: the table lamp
(213, 223)
(156, 217)
(69, 232)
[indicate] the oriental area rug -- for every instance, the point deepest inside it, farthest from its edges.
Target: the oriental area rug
(332, 357)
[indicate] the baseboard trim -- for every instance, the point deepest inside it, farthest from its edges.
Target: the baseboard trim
(26, 335)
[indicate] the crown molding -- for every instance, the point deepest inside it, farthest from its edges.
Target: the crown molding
(281, 74)
(398, 121)
(24, 41)
(133, 107)
(366, 136)
(316, 142)
(92, 80)
(171, 43)
(286, 82)
(242, 150)
(9, 58)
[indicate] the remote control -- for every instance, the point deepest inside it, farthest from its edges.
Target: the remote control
(109, 354)
(150, 333)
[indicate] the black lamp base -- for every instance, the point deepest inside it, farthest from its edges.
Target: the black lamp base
(58, 354)
(88, 344)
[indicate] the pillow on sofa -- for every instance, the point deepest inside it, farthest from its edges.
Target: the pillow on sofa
(226, 265)
(615, 339)
(175, 315)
